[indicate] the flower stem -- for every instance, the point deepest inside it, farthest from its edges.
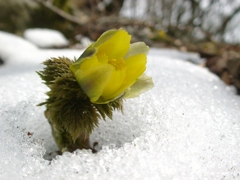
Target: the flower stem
(64, 140)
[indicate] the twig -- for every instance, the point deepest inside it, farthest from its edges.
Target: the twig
(86, 20)
(81, 21)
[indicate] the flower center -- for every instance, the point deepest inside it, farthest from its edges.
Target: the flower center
(119, 64)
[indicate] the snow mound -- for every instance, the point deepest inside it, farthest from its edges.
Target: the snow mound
(11, 43)
(20, 55)
(46, 38)
(186, 127)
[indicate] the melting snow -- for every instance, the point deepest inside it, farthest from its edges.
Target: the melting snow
(186, 127)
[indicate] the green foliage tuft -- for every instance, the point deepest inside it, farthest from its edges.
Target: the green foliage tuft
(70, 112)
(107, 109)
(55, 67)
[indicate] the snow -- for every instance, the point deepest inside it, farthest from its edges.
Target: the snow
(186, 127)
(20, 55)
(46, 38)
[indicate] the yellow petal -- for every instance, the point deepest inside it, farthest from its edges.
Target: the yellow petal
(102, 58)
(142, 84)
(113, 85)
(136, 65)
(90, 51)
(89, 62)
(116, 46)
(85, 63)
(137, 48)
(105, 36)
(93, 81)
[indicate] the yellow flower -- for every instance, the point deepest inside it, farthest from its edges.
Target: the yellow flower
(112, 67)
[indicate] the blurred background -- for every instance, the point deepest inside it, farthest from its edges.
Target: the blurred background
(186, 20)
(208, 27)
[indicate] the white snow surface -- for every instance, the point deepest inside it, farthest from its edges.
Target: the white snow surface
(186, 127)
(45, 38)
